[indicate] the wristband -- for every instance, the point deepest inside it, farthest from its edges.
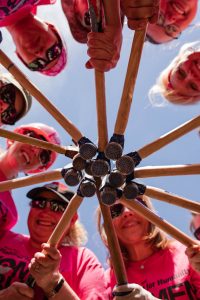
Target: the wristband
(57, 288)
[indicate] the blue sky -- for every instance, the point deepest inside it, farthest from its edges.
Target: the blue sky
(73, 92)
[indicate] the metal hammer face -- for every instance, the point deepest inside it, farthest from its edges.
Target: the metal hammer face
(87, 187)
(116, 178)
(115, 147)
(128, 162)
(100, 167)
(107, 192)
(131, 190)
(71, 176)
(87, 149)
(78, 162)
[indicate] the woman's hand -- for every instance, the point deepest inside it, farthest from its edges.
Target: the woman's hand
(104, 48)
(138, 12)
(44, 267)
(193, 254)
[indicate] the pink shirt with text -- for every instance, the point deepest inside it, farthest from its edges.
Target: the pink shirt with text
(166, 274)
(79, 266)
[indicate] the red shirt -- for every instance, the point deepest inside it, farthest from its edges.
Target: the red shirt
(79, 266)
(8, 212)
(167, 274)
(13, 11)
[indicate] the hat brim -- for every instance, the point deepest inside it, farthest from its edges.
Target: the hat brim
(78, 32)
(66, 197)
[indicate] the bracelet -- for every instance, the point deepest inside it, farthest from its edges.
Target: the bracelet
(57, 288)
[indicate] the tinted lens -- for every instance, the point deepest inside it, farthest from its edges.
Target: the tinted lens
(54, 52)
(116, 210)
(37, 203)
(58, 206)
(55, 205)
(9, 116)
(7, 94)
(197, 233)
(45, 156)
(37, 64)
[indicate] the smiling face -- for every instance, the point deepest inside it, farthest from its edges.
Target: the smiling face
(42, 221)
(184, 77)
(23, 157)
(130, 227)
(33, 39)
(174, 17)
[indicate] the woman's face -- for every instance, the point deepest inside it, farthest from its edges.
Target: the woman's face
(130, 227)
(184, 77)
(8, 102)
(23, 157)
(34, 40)
(174, 17)
(196, 221)
(42, 221)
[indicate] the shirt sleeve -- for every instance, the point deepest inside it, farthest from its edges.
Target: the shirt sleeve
(8, 212)
(92, 284)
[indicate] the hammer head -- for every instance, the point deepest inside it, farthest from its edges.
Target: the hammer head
(113, 151)
(87, 149)
(131, 190)
(87, 187)
(78, 162)
(116, 178)
(125, 164)
(100, 167)
(72, 177)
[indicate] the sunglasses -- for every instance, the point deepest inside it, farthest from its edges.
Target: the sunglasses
(55, 205)
(45, 155)
(51, 54)
(117, 209)
(7, 95)
(197, 233)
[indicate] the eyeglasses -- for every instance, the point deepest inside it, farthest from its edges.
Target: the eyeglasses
(54, 205)
(197, 233)
(171, 30)
(45, 155)
(51, 54)
(7, 95)
(117, 209)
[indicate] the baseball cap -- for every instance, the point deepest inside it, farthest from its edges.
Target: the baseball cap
(57, 188)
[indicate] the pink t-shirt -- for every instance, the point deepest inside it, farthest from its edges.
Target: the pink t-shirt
(13, 11)
(8, 212)
(166, 274)
(79, 266)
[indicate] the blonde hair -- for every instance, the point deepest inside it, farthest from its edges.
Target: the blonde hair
(77, 235)
(161, 90)
(155, 238)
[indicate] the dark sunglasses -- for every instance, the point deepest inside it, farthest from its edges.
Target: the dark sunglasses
(51, 54)
(117, 209)
(197, 233)
(7, 95)
(55, 205)
(45, 155)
